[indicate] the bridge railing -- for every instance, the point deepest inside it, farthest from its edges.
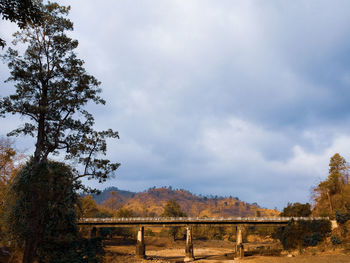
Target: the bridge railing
(197, 219)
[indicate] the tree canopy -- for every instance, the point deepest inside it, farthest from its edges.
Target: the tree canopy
(7, 164)
(8, 168)
(333, 194)
(59, 237)
(297, 209)
(173, 209)
(52, 90)
(20, 12)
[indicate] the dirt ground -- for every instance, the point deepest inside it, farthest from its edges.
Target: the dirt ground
(323, 258)
(164, 250)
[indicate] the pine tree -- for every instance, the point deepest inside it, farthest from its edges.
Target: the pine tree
(333, 194)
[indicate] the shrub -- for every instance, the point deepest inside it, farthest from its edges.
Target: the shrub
(302, 233)
(342, 217)
(335, 240)
(149, 232)
(60, 240)
(313, 239)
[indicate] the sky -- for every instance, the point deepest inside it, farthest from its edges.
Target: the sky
(242, 98)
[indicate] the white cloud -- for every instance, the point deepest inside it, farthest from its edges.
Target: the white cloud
(238, 149)
(245, 98)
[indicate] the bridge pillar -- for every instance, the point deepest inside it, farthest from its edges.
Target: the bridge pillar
(140, 245)
(189, 245)
(93, 232)
(239, 241)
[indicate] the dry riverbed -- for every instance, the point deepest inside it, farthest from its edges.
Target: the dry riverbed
(164, 250)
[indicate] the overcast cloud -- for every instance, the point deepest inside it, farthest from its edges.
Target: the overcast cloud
(242, 98)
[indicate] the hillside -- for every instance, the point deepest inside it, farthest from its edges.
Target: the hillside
(106, 194)
(151, 203)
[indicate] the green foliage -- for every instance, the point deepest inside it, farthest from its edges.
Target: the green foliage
(57, 198)
(298, 234)
(52, 90)
(337, 163)
(333, 194)
(210, 232)
(88, 208)
(110, 232)
(20, 12)
(79, 251)
(106, 232)
(149, 232)
(313, 239)
(173, 209)
(59, 238)
(8, 157)
(262, 231)
(296, 210)
(342, 217)
(125, 213)
(335, 240)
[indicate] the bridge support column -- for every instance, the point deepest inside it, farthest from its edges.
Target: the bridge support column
(140, 245)
(239, 241)
(189, 245)
(93, 232)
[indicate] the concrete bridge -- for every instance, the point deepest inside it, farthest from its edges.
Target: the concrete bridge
(188, 222)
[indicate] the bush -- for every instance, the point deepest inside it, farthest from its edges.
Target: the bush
(106, 232)
(342, 217)
(211, 232)
(297, 209)
(149, 232)
(335, 240)
(302, 233)
(312, 240)
(60, 240)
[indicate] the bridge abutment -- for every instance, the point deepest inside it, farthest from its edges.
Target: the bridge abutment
(140, 244)
(189, 245)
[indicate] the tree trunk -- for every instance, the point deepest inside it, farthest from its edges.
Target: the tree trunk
(330, 202)
(29, 251)
(32, 239)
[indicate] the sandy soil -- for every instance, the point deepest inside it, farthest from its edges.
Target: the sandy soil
(163, 250)
(323, 258)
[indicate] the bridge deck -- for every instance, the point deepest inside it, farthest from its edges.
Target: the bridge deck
(183, 221)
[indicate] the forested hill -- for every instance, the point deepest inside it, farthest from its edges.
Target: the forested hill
(152, 201)
(106, 193)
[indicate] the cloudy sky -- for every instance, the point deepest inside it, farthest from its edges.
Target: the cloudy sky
(243, 98)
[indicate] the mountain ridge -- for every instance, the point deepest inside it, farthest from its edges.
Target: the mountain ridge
(152, 201)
